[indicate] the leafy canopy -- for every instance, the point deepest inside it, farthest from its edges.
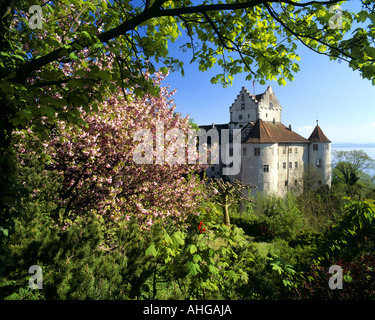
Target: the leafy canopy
(85, 48)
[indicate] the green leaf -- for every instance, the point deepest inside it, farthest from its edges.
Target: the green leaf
(48, 111)
(193, 248)
(167, 238)
(25, 114)
(213, 269)
(73, 56)
(4, 231)
(193, 268)
(177, 239)
(233, 275)
(151, 251)
(197, 258)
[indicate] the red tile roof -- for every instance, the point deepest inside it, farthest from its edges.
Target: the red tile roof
(269, 132)
(318, 136)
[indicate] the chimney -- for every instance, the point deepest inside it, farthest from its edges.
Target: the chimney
(290, 127)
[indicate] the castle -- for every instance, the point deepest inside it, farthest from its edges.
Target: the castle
(274, 158)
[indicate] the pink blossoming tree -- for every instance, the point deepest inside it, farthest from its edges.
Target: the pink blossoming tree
(96, 161)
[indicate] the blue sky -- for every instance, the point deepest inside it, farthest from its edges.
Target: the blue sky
(329, 91)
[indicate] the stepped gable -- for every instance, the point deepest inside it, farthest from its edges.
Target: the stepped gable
(269, 132)
(317, 136)
(256, 97)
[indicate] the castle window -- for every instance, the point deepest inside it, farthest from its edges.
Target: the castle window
(284, 165)
(242, 106)
(295, 182)
(231, 152)
(256, 151)
(315, 146)
(271, 105)
(266, 168)
(244, 151)
(243, 97)
(296, 164)
(290, 150)
(326, 147)
(240, 117)
(290, 165)
(248, 116)
(284, 150)
(266, 115)
(286, 183)
(295, 150)
(318, 162)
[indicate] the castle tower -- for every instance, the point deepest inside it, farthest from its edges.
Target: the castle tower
(249, 108)
(320, 154)
(269, 108)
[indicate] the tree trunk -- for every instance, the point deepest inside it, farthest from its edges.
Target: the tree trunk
(226, 215)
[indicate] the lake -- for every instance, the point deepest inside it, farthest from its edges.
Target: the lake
(369, 148)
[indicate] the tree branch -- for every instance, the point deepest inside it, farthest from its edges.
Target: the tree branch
(299, 37)
(154, 11)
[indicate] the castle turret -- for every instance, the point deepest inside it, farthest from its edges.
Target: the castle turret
(320, 154)
(249, 108)
(269, 108)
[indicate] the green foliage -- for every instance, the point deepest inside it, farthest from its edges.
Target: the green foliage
(48, 73)
(352, 234)
(358, 279)
(271, 251)
(226, 194)
(348, 174)
(90, 258)
(201, 264)
(273, 217)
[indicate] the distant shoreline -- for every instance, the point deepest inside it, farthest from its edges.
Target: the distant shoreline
(353, 145)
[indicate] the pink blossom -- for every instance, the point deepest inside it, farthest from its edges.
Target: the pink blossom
(98, 161)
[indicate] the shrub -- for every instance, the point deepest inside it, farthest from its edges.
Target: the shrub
(358, 280)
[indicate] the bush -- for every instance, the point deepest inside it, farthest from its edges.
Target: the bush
(272, 217)
(358, 280)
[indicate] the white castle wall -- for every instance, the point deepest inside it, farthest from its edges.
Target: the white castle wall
(269, 108)
(285, 169)
(321, 159)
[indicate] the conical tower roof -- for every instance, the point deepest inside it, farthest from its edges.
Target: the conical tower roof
(318, 136)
